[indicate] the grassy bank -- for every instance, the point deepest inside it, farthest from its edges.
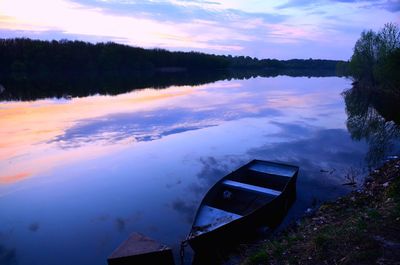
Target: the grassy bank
(360, 228)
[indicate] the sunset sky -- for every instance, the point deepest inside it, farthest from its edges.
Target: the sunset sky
(264, 29)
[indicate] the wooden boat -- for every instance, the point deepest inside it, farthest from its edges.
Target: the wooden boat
(258, 193)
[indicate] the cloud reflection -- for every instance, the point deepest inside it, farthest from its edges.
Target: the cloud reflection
(314, 149)
(28, 127)
(211, 170)
(322, 150)
(33, 227)
(149, 126)
(38, 136)
(8, 256)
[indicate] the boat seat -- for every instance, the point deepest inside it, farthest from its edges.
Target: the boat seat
(245, 186)
(280, 170)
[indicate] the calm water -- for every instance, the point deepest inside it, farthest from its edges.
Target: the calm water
(78, 176)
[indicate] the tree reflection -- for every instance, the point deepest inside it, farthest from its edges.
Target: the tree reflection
(32, 87)
(373, 116)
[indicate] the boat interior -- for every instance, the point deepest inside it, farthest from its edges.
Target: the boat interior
(241, 192)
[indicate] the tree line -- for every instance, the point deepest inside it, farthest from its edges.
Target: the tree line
(21, 56)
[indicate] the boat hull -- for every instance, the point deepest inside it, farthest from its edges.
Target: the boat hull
(270, 215)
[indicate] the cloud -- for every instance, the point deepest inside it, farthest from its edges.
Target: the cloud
(181, 11)
(130, 29)
(389, 5)
(295, 29)
(14, 178)
(392, 6)
(179, 25)
(203, 25)
(297, 4)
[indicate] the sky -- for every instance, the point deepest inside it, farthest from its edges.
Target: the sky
(325, 29)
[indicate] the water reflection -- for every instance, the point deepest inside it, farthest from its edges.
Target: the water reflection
(211, 170)
(89, 171)
(373, 121)
(34, 227)
(325, 157)
(152, 125)
(66, 85)
(8, 256)
(34, 132)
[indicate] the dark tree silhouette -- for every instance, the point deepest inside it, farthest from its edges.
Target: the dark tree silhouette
(31, 69)
(28, 56)
(376, 59)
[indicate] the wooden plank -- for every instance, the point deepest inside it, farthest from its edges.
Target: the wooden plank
(141, 250)
(245, 186)
(210, 218)
(274, 169)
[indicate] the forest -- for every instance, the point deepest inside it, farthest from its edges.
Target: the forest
(22, 56)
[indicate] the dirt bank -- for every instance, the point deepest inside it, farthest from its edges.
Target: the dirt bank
(360, 228)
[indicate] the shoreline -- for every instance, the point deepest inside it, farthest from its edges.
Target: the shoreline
(362, 227)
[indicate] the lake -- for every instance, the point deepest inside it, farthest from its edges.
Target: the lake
(79, 175)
